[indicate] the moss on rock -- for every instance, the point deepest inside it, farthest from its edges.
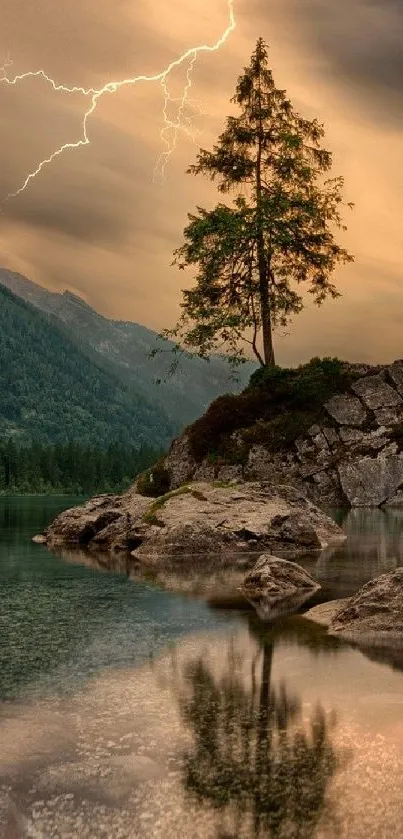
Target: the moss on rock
(278, 406)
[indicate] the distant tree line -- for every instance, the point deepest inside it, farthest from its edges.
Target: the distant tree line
(71, 468)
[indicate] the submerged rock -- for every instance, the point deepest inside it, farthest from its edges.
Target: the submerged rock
(277, 587)
(199, 518)
(325, 612)
(375, 613)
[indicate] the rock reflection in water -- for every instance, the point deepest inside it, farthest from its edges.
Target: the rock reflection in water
(215, 578)
(263, 768)
(374, 546)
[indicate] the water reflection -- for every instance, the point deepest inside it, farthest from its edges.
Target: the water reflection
(252, 732)
(256, 760)
(374, 546)
(62, 622)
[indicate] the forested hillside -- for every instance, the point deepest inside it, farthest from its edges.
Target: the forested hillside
(71, 467)
(51, 392)
(122, 348)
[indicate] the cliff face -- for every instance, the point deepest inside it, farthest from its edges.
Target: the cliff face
(331, 429)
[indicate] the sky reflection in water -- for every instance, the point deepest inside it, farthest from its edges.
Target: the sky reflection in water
(147, 715)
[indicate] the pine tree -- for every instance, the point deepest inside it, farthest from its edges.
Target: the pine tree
(253, 256)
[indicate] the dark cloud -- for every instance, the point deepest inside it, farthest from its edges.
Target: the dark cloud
(359, 46)
(96, 222)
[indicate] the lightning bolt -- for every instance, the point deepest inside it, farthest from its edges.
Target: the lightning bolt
(171, 128)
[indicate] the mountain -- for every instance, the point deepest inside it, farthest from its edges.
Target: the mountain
(122, 348)
(50, 391)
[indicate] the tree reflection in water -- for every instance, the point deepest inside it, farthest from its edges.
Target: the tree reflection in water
(255, 760)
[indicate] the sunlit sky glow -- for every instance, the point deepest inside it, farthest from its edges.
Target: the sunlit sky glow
(97, 222)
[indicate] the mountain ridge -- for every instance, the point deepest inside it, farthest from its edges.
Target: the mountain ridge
(51, 393)
(123, 347)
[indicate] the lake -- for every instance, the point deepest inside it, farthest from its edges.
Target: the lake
(132, 712)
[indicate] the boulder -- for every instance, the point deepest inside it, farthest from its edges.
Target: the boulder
(276, 587)
(324, 613)
(346, 410)
(375, 613)
(199, 518)
(80, 525)
(370, 481)
(376, 393)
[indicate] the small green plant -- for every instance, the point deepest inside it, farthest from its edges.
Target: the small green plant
(154, 482)
(278, 405)
(150, 516)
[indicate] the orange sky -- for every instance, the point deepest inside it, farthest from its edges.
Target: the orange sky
(95, 222)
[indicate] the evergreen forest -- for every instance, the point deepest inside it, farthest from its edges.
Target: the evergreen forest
(71, 468)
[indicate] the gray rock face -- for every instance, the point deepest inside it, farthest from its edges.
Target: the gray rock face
(395, 501)
(395, 371)
(351, 435)
(376, 393)
(200, 518)
(346, 410)
(350, 456)
(388, 416)
(179, 462)
(375, 613)
(369, 482)
(277, 587)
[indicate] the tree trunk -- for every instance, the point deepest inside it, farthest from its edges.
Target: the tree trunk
(268, 349)
(264, 737)
(264, 292)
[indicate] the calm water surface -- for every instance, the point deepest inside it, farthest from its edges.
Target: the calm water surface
(129, 712)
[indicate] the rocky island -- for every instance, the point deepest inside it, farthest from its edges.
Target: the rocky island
(256, 475)
(198, 519)
(332, 429)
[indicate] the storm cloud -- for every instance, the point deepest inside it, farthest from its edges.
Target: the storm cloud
(97, 221)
